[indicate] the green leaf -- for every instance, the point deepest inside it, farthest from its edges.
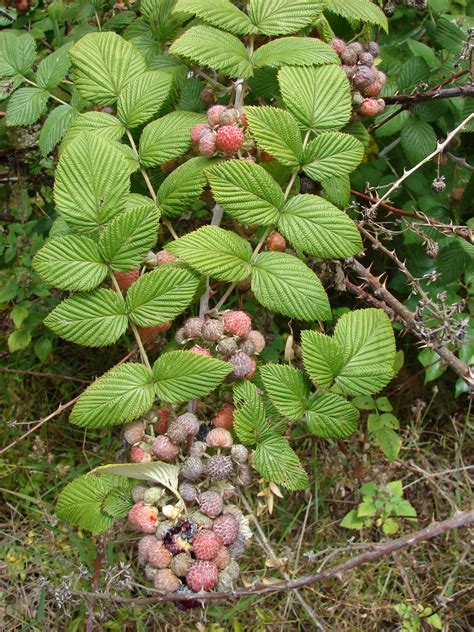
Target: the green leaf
(119, 502)
(71, 262)
(103, 65)
(18, 340)
(277, 132)
(337, 190)
(214, 251)
(246, 192)
(92, 182)
(418, 139)
(17, 53)
(18, 315)
(395, 488)
(159, 296)
(389, 442)
(294, 51)
(100, 123)
(368, 346)
(182, 375)
(122, 394)
(320, 98)
(219, 13)
(167, 137)
(43, 348)
(352, 521)
(413, 72)
(26, 106)
(418, 49)
(284, 284)
(331, 416)
(210, 47)
(322, 356)
(360, 11)
(384, 405)
(143, 97)
(165, 474)
(80, 502)
(128, 238)
(249, 414)
(182, 187)
(332, 154)
(288, 389)
(53, 68)
(364, 402)
(281, 17)
(276, 461)
(96, 319)
(319, 228)
(56, 125)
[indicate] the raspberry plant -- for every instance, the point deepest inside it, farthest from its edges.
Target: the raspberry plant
(130, 172)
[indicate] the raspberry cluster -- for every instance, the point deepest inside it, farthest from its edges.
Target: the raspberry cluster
(366, 80)
(229, 336)
(418, 5)
(190, 545)
(223, 133)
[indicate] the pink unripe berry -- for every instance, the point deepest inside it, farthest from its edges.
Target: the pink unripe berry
(237, 323)
(145, 545)
(134, 431)
(219, 467)
(144, 517)
(200, 350)
(222, 558)
(193, 327)
(219, 438)
(126, 279)
(253, 367)
(369, 107)
(338, 45)
(202, 576)
(226, 529)
(258, 340)
(196, 133)
(207, 144)
(229, 138)
(373, 90)
(163, 256)
(214, 114)
(224, 417)
(166, 581)
(161, 426)
(206, 544)
(139, 454)
(190, 422)
(276, 242)
(158, 555)
(211, 503)
(164, 449)
(243, 365)
(150, 333)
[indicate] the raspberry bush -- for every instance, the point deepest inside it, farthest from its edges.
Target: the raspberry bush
(202, 187)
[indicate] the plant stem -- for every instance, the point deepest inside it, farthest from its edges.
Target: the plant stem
(32, 83)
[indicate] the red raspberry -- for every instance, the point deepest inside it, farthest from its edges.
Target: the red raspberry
(202, 576)
(161, 426)
(226, 529)
(164, 449)
(144, 517)
(126, 279)
(206, 544)
(229, 138)
(219, 438)
(139, 454)
(207, 144)
(369, 107)
(150, 333)
(200, 350)
(158, 555)
(211, 503)
(237, 323)
(276, 242)
(214, 114)
(197, 131)
(258, 340)
(166, 581)
(224, 417)
(134, 431)
(338, 45)
(163, 256)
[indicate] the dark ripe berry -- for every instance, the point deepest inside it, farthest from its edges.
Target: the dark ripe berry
(193, 327)
(192, 469)
(357, 47)
(219, 468)
(338, 45)
(366, 59)
(349, 57)
(363, 77)
(212, 330)
(307, 185)
(350, 71)
(207, 95)
(276, 242)
(373, 48)
(204, 430)
(188, 492)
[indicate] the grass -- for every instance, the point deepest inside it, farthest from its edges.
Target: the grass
(44, 560)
